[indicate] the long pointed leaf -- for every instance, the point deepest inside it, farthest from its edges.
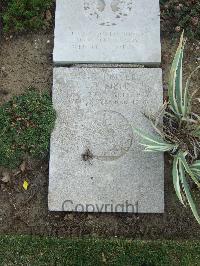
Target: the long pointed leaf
(189, 198)
(151, 139)
(187, 169)
(154, 144)
(175, 82)
(176, 178)
(195, 168)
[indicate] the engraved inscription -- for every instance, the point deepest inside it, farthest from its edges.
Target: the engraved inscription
(117, 94)
(89, 40)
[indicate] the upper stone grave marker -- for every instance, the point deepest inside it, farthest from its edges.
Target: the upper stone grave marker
(107, 31)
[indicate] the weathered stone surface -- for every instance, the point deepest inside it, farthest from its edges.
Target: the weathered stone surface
(95, 156)
(107, 31)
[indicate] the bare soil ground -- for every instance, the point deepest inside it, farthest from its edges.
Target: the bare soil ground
(26, 61)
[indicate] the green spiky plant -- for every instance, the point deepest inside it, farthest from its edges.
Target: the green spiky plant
(178, 130)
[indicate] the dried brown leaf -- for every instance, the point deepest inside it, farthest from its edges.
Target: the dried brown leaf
(5, 177)
(48, 15)
(23, 167)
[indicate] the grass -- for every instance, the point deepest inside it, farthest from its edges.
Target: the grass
(26, 15)
(178, 15)
(27, 250)
(26, 123)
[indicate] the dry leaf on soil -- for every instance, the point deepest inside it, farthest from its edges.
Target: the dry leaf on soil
(5, 177)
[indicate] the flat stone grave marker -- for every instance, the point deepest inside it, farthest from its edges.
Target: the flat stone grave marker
(107, 31)
(96, 162)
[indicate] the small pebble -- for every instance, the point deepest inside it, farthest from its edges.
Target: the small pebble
(178, 29)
